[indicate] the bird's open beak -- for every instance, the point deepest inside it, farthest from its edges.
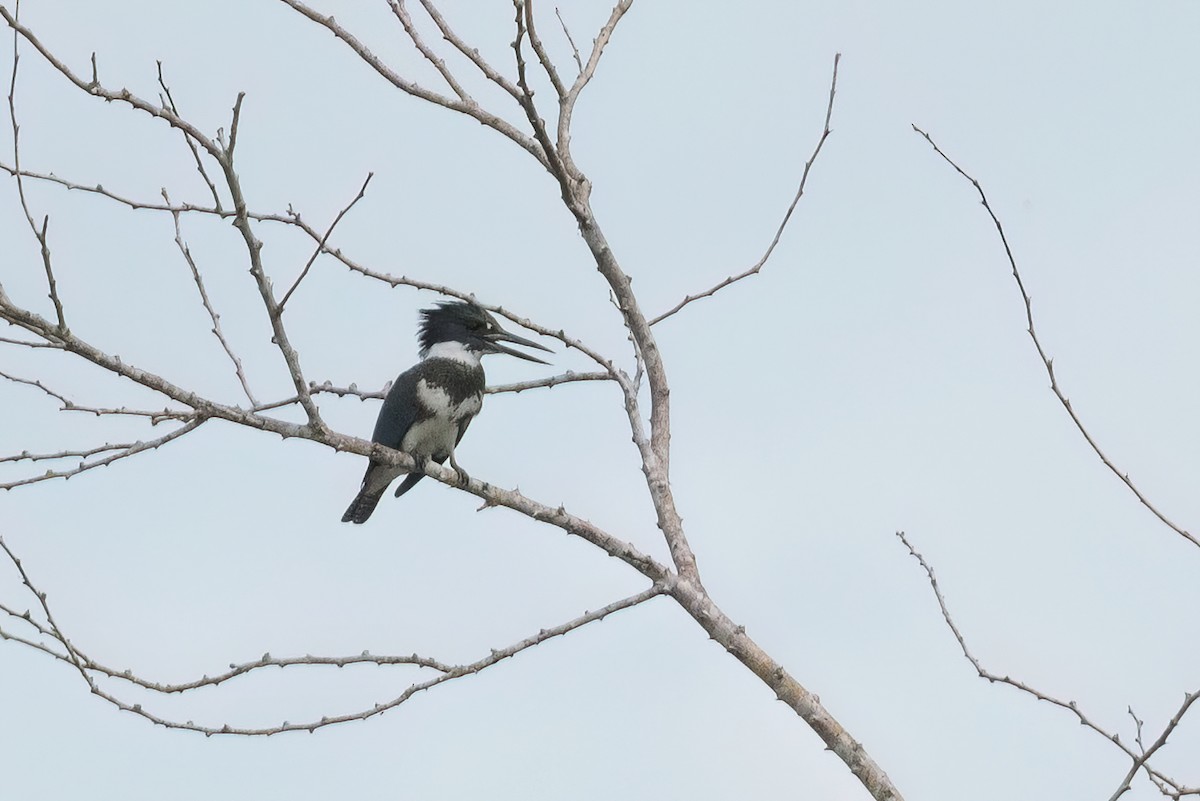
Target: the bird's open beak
(495, 338)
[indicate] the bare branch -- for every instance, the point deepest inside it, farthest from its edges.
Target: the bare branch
(39, 234)
(52, 345)
(568, 377)
(168, 100)
(758, 265)
(212, 314)
(543, 57)
(690, 595)
(470, 109)
(447, 672)
(37, 646)
(42, 457)
(296, 221)
(995, 678)
(438, 63)
(566, 32)
(35, 383)
(68, 405)
(1140, 761)
(471, 53)
(233, 126)
(53, 629)
(554, 162)
(321, 244)
(586, 73)
(1047, 362)
(132, 450)
(266, 661)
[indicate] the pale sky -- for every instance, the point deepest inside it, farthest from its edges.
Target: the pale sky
(875, 377)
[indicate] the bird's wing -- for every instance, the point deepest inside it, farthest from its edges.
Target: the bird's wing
(399, 411)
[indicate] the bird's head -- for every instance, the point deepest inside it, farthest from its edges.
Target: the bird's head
(472, 327)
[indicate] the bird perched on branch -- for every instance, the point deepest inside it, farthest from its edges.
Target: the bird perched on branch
(428, 409)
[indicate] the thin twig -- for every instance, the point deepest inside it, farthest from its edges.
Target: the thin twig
(566, 32)
(169, 101)
(39, 234)
(70, 406)
(472, 53)
(1047, 362)
(471, 109)
(36, 383)
(327, 387)
(447, 672)
(212, 314)
(554, 162)
(438, 63)
(53, 345)
(586, 73)
(758, 265)
(1140, 761)
(54, 630)
(995, 678)
(324, 239)
(543, 57)
(24, 456)
(132, 450)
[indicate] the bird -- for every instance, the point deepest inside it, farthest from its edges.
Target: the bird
(428, 408)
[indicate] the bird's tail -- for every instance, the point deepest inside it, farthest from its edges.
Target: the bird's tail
(408, 483)
(362, 506)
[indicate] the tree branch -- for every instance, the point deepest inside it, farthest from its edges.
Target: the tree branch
(470, 109)
(1047, 362)
(995, 678)
(325, 238)
(212, 314)
(471, 53)
(39, 234)
(131, 450)
(447, 672)
(758, 265)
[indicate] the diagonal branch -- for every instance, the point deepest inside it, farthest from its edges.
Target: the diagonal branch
(586, 73)
(1047, 362)
(321, 244)
(1141, 761)
(39, 234)
(543, 57)
(995, 678)
(472, 53)
(23, 343)
(555, 164)
(131, 450)
(470, 109)
(758, 265)
(212, 314)
(169, 101)
(26, 456)
(438, 63)
(567, 32)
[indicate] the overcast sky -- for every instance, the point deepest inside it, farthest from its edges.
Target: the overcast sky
(875, 377)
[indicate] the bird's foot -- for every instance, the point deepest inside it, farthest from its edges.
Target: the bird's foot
(463, 478)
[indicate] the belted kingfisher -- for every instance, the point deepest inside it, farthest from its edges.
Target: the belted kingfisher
(428, 409)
